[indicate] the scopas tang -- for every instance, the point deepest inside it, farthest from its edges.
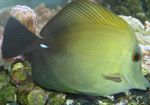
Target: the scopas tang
(84, 49)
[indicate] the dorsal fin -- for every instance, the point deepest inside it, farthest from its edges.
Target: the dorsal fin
(82, 12)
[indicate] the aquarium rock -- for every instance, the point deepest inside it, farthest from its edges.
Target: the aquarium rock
(7, 93)
(18, 74)
(134, 23)
(44, 14)
(26, 16)
(56, 98)
(69, 101)
(147, 27)
(4, 80)
(37, 97)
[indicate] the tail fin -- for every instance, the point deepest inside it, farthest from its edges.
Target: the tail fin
(17, 39)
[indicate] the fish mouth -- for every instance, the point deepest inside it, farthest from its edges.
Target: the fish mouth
(113, 77)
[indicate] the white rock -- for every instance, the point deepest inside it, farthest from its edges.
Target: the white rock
(147, 28)
(143, 39)
(134, 23)
(146, 56)
(122, 102)
(69, 102)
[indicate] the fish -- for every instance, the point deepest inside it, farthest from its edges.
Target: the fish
(84, 49)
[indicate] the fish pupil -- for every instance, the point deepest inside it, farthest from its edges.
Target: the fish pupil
(136, 57)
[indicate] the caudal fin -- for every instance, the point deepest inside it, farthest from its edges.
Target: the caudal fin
(17, 39)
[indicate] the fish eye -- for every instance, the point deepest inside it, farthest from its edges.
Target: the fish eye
(136, 56)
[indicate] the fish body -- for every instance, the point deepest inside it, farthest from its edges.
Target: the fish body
(89, 50)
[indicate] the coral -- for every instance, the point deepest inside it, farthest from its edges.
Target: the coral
(18, 74)
(37, 97)
(4, 80)
(134, 23)
(56, 98)
(26, 16)
(27, 92)
(23, 91)
(44, 14)
(7, 93)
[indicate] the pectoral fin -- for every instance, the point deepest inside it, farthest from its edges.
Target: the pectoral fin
(113, 77)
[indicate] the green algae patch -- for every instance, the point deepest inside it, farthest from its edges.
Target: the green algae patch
(7, 93)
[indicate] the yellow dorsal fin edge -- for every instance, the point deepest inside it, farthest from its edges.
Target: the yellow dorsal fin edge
(83, 12)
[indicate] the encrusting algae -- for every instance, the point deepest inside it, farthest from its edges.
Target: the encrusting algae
(30, 94)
